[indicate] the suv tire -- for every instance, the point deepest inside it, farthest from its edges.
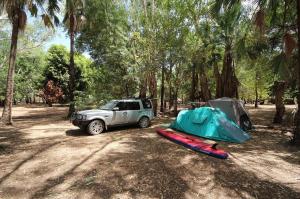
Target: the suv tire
(144, 122)
(95, 127)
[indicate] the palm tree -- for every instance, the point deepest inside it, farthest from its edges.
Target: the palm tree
(16, 13)
(73, 20)
(228, 20)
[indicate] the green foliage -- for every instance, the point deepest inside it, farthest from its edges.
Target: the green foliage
(57, 67)
(57, 63)
(131, 41)
(28, 75)
(30, 61)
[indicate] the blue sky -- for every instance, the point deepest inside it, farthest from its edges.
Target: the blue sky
(60, 37)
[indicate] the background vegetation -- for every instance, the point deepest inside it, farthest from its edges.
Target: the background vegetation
(170, 50)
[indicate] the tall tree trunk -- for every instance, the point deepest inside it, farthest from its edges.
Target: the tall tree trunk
(229, 80)
(279, 87)
(175, 101)
(72, 66)
(127, 90)
(170, 88)
(296, 137)
(6, 115)
(218, 81)
(192, 94)
(256, 92)
(206, 94)
(143, 88)
(162, 89)
(153, 91)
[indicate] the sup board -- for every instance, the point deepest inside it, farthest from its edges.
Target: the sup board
(193, 143)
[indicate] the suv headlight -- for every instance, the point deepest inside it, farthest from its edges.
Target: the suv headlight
(81, 117)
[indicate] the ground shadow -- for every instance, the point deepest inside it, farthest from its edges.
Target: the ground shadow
(76, 133)
(142, 171)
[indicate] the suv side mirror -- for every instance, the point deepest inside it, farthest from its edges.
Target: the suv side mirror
(115, 109)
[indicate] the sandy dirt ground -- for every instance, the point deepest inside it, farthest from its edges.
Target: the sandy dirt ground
(44, 156)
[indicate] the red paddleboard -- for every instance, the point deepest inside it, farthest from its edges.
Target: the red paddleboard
(193, 143)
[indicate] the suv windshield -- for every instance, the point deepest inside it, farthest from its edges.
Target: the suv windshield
(109, 106)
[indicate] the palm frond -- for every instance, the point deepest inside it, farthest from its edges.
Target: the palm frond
(47, 21)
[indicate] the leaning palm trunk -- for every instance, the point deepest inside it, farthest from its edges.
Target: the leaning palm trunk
(296, 137)
(6, 115)
(72, 67)
(279, 88)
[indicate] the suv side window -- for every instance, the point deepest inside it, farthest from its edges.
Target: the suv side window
(146, 104)
(121, 106)
(133, 105)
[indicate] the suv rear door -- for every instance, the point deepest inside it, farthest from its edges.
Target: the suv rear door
(147, 105)
(120, 116)
(134, 111)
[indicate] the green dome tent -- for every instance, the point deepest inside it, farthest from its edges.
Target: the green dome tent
(210, 123)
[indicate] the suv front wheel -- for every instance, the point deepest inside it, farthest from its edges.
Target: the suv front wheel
(95, 127)
(144, 122)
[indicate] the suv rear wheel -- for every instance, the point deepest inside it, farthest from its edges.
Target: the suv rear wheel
(144, 122)
(95, 127)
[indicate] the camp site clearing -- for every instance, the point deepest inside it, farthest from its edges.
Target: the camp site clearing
(44, 156)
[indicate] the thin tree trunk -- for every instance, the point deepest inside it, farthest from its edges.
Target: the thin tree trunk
(256, 92)
(170, 88)
(162, 90)
(72, 67)
(218, 81)
(6, 115)
(296, 137)
(127, 90)
(206, 94)
(175, 102)
(153, 91)
(192, 94)
(143, 88)
(279, 88)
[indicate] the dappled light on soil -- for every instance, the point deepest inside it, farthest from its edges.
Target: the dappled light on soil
(44, 156)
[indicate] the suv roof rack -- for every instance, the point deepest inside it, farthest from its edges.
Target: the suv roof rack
(142, 98)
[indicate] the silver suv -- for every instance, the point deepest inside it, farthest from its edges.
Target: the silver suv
(115, 113)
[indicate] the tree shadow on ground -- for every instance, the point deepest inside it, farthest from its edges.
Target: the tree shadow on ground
(76, 133)
(9, 139)
(153, 168)
(50, 183)
(29, 158)
(80, 132)
(41, 118)
(233, 177)
(261, 143)
(142, 171)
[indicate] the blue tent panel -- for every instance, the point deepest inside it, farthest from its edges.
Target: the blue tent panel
(210, 123)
